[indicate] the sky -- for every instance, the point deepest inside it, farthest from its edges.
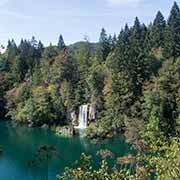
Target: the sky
(74, 19)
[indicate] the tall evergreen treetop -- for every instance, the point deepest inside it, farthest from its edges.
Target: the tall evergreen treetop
(24, 45)
(118, 62)
(136, 30)
(143, 32)
(11, 43)
(137, 24)
(157, 32)
(112, 42)
(61, 43)
(104, 45)
(33, 42)
(12, 52)
(174, 18)
(103, 36)
(172, 43)
(40, 45)
(127, 30)
(159, 20)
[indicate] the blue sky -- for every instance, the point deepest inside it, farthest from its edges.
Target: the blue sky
(46, 19)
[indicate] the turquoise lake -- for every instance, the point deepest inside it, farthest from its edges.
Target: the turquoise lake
(19, 144)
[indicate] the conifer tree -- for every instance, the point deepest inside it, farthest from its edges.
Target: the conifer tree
(172, 42)
(119, 59)
(143, 36)
(136, 30)
(33, 42)
(112, 42)
(35, 53)
(61, 43)
(12, 52)
(137, 61)
(40, 45)
(40, 48)
(157, 32)
(104, 46)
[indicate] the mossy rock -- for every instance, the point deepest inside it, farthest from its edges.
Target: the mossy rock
(65, 131)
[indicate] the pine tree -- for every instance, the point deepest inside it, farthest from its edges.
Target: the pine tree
(136, 30)
(35, 53)
(12, 52)
(112, 42)
(61, 43)
(40, 45)
(21, 67)
(172, 42)
(26, 58)
(110, 39)
(137, 61)
(83, 56)
(104, 46)
(143, 36)
(117, 62)
(50, 53)
(159, 20)
(157, 31)
(33, 42)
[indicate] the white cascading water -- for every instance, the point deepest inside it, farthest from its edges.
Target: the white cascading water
(83, 117)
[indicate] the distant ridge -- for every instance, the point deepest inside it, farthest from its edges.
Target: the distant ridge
(77, 45)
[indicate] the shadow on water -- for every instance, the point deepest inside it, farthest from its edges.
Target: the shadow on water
(20, 143)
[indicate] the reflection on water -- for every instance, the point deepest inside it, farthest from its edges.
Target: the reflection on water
(20, 143)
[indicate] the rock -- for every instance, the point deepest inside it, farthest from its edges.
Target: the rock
(92, 112)
(1, 151)
(30, 125)
(65, 131)
(74, 118)
(44, 126)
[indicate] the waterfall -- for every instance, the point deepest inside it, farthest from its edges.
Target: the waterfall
(83, 116)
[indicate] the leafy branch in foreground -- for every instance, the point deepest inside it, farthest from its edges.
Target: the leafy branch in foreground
(85, 169)
(162, 163)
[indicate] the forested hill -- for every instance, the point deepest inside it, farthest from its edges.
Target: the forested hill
(132, 78)
(79, 45)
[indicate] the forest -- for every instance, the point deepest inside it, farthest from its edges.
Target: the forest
(132, 78)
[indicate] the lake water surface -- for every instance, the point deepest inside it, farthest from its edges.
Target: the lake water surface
(19, 144)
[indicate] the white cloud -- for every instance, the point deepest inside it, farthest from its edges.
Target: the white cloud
(123, 2)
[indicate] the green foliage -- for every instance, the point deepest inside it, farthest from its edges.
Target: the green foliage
(104, 46)
(172, 42)
(167, 162)
(162, 163)
(85, 171)
(61, 44)
(157, 32)
(161, 98)
(111, 75)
